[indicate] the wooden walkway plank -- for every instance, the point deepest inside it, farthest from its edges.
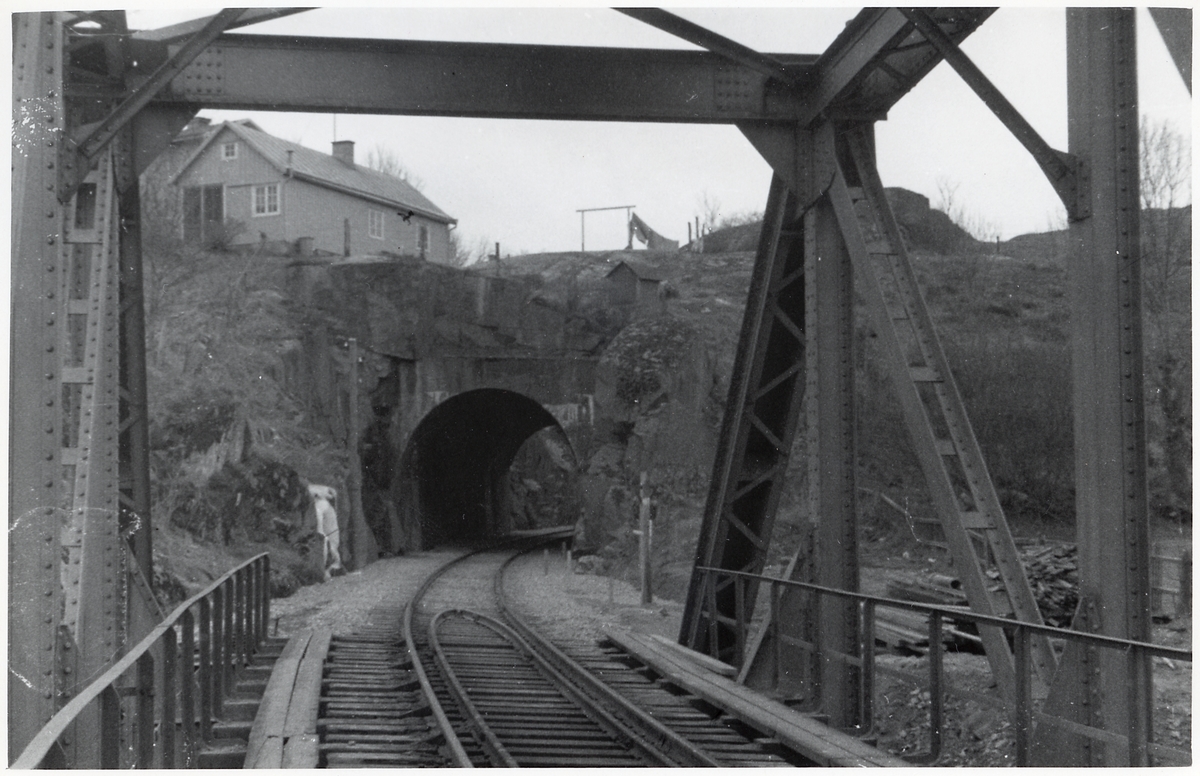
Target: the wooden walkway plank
(302, 751)
(306, 694)
(701, 659)
(821, 744)
(269, 721)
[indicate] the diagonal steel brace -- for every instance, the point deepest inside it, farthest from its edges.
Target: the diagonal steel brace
(91, 139)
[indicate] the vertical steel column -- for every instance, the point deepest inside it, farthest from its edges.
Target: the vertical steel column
(94, 589)
(1104, 292)
(829, 405)
(35, 591)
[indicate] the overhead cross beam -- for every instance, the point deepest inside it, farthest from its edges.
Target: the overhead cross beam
(482, 80)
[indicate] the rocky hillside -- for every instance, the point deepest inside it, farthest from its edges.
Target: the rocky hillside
(235, 440)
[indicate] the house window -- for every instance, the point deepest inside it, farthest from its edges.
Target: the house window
(266, 199)
(422, 240)
(375, 224)
(229, 151)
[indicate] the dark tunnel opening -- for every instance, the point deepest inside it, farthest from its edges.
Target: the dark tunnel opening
(453, 470)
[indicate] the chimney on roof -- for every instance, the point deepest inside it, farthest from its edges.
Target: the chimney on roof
(343, 151)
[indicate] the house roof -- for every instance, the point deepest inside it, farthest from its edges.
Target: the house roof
(324, 170)
(642, 271)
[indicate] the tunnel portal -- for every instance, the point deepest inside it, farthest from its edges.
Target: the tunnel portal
(454, 465)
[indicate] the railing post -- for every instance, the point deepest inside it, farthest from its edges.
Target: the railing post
(713, 646)
(935, 684)
(239, 624)
(776, 631)
(739, 603)
(170, 675)
(1023, 707)
(266, 596)
(1139, 682)
(110, 729)
(248, 644)
(187, 683)
(217, 649)
(207, 677)
(143, 726)
(229, 593)
(867, 653)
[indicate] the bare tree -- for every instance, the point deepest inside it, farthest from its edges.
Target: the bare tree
(1166, 168)
(386, 161)
(460, 253)
(710, 212)
(981, 228)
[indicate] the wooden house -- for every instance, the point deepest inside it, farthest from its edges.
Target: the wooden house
(242, 186)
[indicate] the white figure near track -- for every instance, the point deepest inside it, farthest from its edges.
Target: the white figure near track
(324, 498)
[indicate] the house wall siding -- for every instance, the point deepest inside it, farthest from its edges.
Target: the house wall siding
(306, 209)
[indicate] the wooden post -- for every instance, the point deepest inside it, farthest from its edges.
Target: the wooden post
(644, 543)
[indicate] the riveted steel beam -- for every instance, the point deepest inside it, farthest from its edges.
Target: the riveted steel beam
(1175, 26)
(1059, 167)
(35, 492)
(877, 59)
(189, 28)
(421, 78)
(1112, 524)
(762, 411)
(718, 44)
(87, 141)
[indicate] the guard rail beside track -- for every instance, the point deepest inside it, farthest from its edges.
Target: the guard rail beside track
(193, 655)
(1138, 742)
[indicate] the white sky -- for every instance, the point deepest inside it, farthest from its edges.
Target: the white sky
(521, 182)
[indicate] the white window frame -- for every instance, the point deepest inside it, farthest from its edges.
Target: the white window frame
(229, 151)
(266, 190)
(375, 224)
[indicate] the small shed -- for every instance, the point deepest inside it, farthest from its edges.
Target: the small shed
(636, 285)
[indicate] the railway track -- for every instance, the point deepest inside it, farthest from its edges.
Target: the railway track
(488, 690)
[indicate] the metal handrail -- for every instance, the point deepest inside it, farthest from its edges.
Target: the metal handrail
(1138, 741)
(234, 611)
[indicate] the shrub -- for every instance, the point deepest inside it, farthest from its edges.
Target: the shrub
(1018, 398)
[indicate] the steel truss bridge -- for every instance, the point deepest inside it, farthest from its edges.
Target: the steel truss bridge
(95, 102)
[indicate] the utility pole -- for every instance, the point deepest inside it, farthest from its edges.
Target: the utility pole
(644, 542)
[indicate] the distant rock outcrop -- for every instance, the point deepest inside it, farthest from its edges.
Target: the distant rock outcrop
(923, 228)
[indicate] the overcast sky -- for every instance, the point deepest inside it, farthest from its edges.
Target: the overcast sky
(521, 182)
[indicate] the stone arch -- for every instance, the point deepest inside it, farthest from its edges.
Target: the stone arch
(454, 463)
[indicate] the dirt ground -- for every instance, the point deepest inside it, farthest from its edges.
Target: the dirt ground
(578, 607)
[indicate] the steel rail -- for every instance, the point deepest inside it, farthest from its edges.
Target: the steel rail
(678, 748)
(665, 748)
(248, 634)
(461, 759)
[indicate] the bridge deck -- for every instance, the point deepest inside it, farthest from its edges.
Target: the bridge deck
(821, 744)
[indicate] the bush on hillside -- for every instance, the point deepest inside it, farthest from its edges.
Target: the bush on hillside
(1018, 398)
(249, 501)
(191, 422)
